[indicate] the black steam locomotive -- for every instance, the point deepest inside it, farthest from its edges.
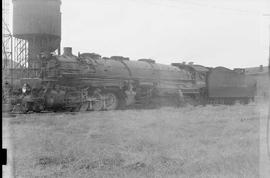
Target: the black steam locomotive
(91, 82)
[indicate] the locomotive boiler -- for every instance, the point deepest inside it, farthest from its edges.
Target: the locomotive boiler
(90, 82)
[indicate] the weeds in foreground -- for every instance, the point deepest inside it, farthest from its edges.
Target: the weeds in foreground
(211, 141)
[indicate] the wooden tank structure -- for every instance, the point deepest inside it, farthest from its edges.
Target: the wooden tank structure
(39, 23)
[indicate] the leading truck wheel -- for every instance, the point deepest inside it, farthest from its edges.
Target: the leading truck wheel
(25, 107)
(111, 101)
(38, 107)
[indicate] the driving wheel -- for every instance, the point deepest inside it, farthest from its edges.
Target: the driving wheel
(98, 102)
(111, 101)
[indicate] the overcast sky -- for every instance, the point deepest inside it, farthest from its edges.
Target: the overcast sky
(230, 33)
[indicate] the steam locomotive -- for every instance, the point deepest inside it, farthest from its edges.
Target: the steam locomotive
(91, 82)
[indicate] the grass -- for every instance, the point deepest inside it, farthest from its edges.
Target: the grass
(211, 141)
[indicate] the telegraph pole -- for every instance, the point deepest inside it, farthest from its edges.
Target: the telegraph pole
(265, 121)
(268, 15)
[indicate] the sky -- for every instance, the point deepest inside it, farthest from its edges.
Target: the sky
(230, 33)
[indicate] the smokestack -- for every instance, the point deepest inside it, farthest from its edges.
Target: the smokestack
(261, 68)
(67, 51)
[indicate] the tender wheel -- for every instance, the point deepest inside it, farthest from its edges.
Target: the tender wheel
(111, 101)
(98, 103)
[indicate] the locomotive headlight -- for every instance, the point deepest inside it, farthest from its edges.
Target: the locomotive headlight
(24, 89)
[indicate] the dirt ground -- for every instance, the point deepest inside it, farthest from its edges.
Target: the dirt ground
(210, 141)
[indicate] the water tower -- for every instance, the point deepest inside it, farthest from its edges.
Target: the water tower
(39, 23)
